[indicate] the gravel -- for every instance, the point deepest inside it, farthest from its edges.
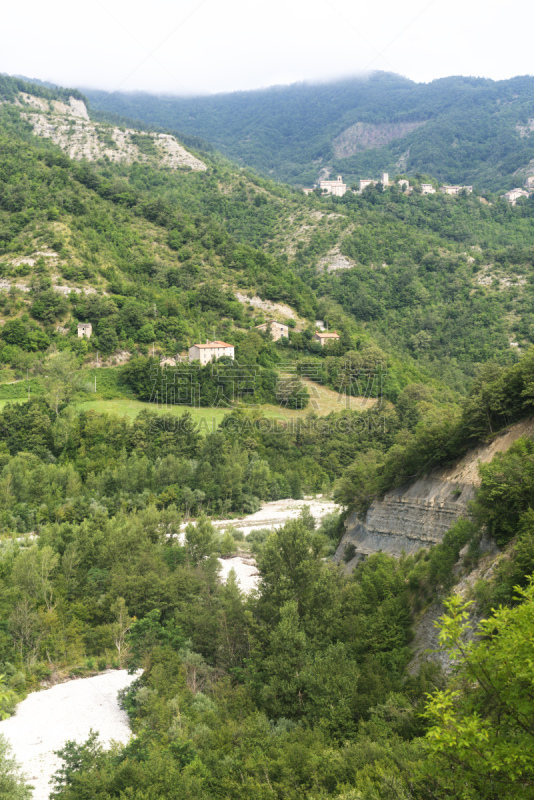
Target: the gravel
(68, 711)
(272, 515)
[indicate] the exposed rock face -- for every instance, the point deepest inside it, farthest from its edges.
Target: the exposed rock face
(408, 518)
(419, 514)
(335, 261)
(69, 126)
(364, 135)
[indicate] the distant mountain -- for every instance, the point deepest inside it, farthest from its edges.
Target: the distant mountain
(460, 130)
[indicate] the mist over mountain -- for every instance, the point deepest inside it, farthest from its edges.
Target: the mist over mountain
(459, 129)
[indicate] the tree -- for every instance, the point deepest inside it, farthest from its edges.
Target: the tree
(481, 739)
(12, 784)
(61, 379)
(121, 626)
(14, 332)
(199, 539)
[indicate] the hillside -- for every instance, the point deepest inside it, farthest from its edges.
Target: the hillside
(116, 510)
(158, 256)
(460, 130)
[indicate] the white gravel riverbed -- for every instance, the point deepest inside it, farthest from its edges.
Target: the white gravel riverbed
(68, 711)
(272, 515)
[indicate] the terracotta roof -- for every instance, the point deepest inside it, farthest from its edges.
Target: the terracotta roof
(213, 344)
(327, 335)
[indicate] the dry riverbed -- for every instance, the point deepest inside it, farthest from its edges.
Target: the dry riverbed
(271, 515)
(69, 711)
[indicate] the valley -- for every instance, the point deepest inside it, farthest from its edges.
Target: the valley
(204, 370)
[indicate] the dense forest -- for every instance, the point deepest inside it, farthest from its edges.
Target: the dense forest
(461, 130)
(305, 688)
(300, 690)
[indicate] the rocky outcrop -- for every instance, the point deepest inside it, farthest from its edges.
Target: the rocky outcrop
(364, 135)
(418, 515)
(334, 261)
(69, 126)
(408, 518)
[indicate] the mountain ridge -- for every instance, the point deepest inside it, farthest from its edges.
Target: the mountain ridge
(469, 135)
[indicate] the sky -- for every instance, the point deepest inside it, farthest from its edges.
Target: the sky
(204, 46)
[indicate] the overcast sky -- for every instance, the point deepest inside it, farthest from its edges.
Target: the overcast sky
(205, 46)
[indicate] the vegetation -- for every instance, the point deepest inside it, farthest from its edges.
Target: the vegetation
(304, 689)
(466, 132)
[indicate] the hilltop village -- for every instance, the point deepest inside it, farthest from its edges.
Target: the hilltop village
(338, 189)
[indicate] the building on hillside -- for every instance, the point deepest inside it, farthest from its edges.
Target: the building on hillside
(336, 188)
(384, 179)
(324, 337)
(167, 361)
(514, 194)
(455, 189)
(402, 183)
(85, 329)
(307, 190)
(365, 182)
(427, 188)
(529, 183)
(210, 351)
(276, 329)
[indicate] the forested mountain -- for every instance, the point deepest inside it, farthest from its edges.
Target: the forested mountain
(460, 130)
(305, 689)
(439, 283)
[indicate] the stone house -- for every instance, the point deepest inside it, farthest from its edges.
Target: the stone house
(324, 337)
(277, 329)
(365, 182)
(515, 194)
(210, 351)
(337, 188)
(427, 188)
(455, 189)
(85, 329)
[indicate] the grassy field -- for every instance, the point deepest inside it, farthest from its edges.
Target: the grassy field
(211, 416)
(322, 402)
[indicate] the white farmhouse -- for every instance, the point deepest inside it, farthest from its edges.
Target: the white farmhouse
(455, 189)
(514, 194)
(210, 351)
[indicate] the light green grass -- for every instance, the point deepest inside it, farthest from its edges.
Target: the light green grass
(3, 402)
(207, 418)
(131, 408)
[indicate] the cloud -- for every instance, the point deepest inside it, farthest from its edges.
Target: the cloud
(203, 46)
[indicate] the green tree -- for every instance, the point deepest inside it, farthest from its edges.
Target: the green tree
(13, 785)
(481, 736)
(61, 379)
(200, 539)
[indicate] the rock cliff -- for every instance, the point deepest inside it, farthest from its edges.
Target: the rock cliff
(69, 126)
(419, 514)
